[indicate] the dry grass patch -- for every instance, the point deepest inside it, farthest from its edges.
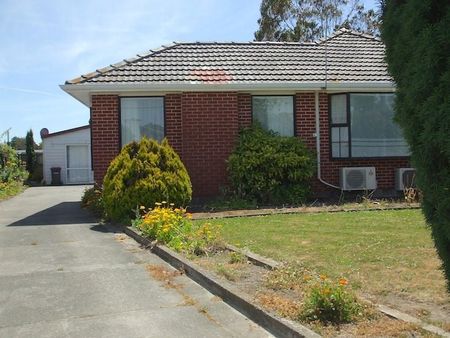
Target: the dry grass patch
(281, 305)
(160, 273)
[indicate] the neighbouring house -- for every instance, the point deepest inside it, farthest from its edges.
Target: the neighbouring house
(335, 94)
(69, 150)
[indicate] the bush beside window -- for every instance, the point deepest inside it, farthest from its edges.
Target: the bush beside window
(270, 168)
(142, 174)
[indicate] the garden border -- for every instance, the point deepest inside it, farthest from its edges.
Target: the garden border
(271, 264)
(299, 210)
(277, 326)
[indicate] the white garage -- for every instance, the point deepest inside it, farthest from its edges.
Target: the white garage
(69, 150)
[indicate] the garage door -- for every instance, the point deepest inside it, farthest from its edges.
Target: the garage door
(78, 164)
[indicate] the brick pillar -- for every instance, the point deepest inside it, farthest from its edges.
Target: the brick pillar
(173, 122)
(244, 110)
(105, 133)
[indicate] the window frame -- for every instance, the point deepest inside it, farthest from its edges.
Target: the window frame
(348, 125)
(140, 97)
(294, 119)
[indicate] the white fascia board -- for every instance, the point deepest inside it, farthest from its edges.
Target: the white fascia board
(83, 92)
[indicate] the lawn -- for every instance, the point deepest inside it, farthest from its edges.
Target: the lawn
(384, 254)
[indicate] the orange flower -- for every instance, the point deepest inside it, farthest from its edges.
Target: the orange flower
(323, 277)
(343, 282)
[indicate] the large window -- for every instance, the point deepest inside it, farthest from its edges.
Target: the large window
(141, 116)
(362, 125)
(275, 113)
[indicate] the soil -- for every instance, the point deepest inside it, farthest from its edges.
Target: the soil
(285, 300)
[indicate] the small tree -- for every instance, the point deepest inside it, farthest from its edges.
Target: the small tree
(29, 151)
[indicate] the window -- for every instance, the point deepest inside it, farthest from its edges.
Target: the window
(141, 116)
(362, 125)
(275, 113)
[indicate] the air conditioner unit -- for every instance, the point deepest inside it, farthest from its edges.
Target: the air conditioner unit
(358, 178)
(405, 178)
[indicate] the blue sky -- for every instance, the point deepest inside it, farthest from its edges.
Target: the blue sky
(43, 43)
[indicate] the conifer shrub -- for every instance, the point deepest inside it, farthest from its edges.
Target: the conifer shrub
(143, 174)
(270, 168)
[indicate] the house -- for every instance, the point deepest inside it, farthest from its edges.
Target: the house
(69, 150)
(335, 94)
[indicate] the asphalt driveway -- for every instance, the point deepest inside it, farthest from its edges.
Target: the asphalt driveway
(63, 275)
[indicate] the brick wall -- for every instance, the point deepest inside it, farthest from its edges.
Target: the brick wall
(203, 128)
(173, 123)
(210, 129)
(105, 133)
(244, 110)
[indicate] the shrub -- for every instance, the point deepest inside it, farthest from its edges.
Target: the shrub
(10, 168)
(92, 199)
(270, 168)
(143, 174)
(330, 302)
(173, 227)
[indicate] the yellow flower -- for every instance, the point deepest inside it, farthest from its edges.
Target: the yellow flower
(323, 277)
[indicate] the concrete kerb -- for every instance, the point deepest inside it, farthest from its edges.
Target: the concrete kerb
(277, 326)
(300, 210)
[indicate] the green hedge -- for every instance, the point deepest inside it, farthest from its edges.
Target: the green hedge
(270, 168)
(142, 174)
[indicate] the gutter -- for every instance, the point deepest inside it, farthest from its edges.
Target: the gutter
(319, 177)
(83, 91)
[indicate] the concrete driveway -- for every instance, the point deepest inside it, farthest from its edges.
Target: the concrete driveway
(63, 275)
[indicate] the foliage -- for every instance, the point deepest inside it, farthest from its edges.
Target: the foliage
(93, 200)
(416, 34)
(237, 257)
(10, 168)
(270, 168)
(306, 20)
(143, 174)
(173, 227)
(30, 155)
(11, 172)
(18, 143)
(330, 302)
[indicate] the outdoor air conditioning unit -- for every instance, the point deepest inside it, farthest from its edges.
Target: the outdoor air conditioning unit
(405, 178)
(358, 178)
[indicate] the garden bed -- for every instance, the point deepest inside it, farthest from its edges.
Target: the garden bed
(280, 291)
(387, 256)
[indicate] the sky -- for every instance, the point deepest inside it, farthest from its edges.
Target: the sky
(44, 43)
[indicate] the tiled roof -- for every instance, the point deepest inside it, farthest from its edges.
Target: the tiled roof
(346, 56)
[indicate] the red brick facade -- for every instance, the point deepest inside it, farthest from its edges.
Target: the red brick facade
(203, 127)
(105, 133)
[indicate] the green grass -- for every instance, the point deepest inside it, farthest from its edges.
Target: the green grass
(380, 252)
(10, 190)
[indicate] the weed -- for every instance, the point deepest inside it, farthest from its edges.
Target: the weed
(237, 257)
(228, 273)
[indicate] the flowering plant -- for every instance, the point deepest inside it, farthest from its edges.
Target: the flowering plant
(330, 301)
(174, 227)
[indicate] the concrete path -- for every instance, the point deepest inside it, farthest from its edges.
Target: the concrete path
(63, 275)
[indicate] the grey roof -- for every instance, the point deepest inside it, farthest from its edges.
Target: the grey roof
(346, 56)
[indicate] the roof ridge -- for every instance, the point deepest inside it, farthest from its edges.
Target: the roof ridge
(344, 30)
